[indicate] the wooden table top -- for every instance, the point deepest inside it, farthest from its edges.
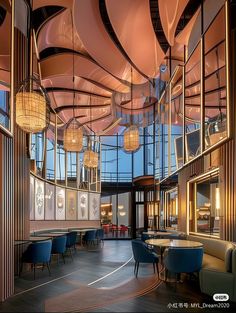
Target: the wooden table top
(38, 238)
(84, 230)
(175, 243)
(59, 232)
(50, 235)
(157, 233)
(21, 242)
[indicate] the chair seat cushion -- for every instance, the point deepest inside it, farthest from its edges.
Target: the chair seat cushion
(211, 262)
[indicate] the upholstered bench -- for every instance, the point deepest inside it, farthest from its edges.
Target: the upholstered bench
(218, 271)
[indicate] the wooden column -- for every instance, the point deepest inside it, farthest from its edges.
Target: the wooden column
(6, 218)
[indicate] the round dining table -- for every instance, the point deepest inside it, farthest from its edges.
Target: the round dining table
(154, 233)
(174, 243)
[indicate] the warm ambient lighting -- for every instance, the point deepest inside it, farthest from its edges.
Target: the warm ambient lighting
(131, 135)
(122, 213)
(217, 202)
(32, 106)
(90, 159)
(109, 213)
(105, 205)
(131, 139)
(73, 136)
(120, 206)
(103, 213)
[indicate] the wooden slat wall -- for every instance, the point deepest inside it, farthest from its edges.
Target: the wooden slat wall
(21, 159)
(14, 184)
(6, 218)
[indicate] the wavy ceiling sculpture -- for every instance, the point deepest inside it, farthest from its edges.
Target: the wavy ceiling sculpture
(170, 13)
(131, 21)
(110, 38)
(57, 32)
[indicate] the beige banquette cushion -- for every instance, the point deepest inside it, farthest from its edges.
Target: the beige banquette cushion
(217, 253)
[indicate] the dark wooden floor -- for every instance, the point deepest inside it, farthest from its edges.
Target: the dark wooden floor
(88, 267)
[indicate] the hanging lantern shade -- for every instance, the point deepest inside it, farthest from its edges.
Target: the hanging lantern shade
(90, 159)
(73, 136)
(32, 106)
(131, 139)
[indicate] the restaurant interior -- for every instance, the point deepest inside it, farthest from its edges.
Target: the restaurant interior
(117, 155)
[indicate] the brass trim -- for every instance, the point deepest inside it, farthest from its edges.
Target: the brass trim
(9, 132)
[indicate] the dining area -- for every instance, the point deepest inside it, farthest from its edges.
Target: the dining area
(180, 258)
(54, 246)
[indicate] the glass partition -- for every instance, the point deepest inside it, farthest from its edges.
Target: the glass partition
(171, 208)
(192, 104)
(204, 205)
(71, 169)
(176, 123)
(6, 86)
(215, 104)
(37, 151)
(61, 162)
(116, 215)
(50, 153)
(164, 133)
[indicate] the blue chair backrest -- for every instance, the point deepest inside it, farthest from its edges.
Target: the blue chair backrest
(100, 233)
(145, 237)
(59, 244)
(38, 252)
(184, 260)
(141, 253)
(71, 238)
(90, 235)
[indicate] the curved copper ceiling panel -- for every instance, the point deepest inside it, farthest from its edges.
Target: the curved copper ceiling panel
(43, 3)
(98, 43)
(61, 64)
(81, 84)
(184, 35)
(57, 32)
(170, 13)
(131, 21)
(83, 115)
(62, 98)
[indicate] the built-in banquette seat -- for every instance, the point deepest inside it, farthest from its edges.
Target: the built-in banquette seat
(218, 273)
(45, 231)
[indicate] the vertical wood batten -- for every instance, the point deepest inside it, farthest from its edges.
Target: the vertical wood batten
(6, 218)
(21, 160)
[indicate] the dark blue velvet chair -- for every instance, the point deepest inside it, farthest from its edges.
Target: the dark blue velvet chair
(142, 254)
(71, 238)
(183, 260)
(145, 237)
(100, 235)
(59, 246)
(89, 237)
(38, 253)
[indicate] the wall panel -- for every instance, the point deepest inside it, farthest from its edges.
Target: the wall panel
(6, 218)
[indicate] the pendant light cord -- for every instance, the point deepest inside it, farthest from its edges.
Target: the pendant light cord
(131, 94)
(73, 62)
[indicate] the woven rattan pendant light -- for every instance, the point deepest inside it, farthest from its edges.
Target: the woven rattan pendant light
(73, 133)
(32, 103)
(32, 106)
(131, 135)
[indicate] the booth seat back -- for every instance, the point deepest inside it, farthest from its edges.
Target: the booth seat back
(43, 231)
(218, 248)
(234, 266)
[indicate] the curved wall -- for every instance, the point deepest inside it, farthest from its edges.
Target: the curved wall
(55, 206)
